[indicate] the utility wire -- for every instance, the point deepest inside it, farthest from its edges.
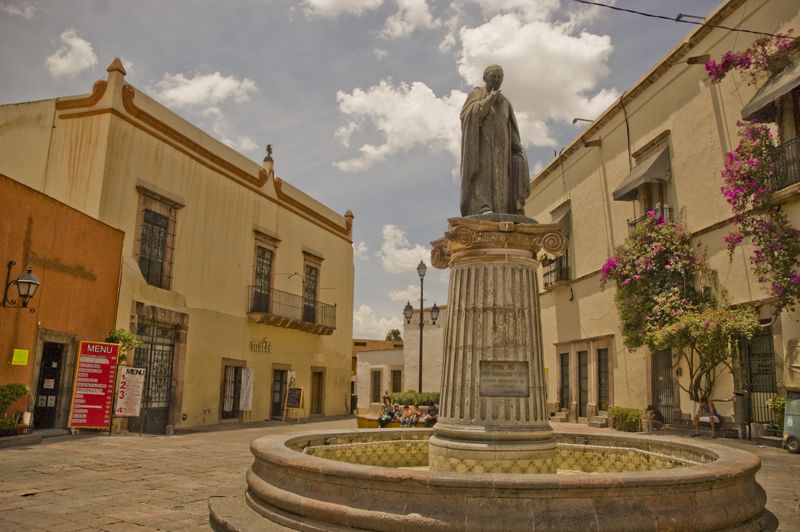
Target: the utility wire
(682, 20)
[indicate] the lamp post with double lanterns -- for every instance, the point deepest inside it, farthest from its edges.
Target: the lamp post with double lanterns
(408, 312)
(27, 283)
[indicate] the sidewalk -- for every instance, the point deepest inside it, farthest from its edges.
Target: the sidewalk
(131, 482)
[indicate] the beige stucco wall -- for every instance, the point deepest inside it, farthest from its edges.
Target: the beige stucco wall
(700, 119)
(384, 360)
(101, 148)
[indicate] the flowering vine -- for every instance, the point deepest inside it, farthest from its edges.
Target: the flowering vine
(662, 303)
(767, 55)
(749, 176)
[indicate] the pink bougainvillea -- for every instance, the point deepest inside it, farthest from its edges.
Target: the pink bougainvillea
(749, 174)
(767, 55)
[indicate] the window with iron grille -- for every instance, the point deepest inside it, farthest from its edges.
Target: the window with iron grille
(263, 279)
(564, 403)
(557, 270)
(155, 237)
(602, 380)
(397, 380)
(153, 250)
(310, 293)
(375, 387)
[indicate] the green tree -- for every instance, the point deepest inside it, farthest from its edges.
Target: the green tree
(127, 341)
(668, 298)
(394, 336)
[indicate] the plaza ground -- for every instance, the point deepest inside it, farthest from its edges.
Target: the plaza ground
(131, 482)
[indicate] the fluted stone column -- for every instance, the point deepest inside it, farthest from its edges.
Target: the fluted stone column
(493, 414)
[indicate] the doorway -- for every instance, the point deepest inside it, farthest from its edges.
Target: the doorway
(317, 392)
(583, 382)
(156, 354)
(45, 411)
(231, 395)
(663, 386)
(278, 391)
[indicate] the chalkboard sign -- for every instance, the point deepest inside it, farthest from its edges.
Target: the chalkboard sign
(294, 398)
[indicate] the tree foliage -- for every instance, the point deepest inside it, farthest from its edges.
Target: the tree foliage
(668, 299)
(394, 336)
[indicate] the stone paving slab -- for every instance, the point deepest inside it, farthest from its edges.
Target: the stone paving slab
(127, 482)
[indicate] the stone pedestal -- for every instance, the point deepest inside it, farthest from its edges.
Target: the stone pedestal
(493, 414)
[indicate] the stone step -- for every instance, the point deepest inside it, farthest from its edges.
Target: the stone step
(559, 417)
(598, 421)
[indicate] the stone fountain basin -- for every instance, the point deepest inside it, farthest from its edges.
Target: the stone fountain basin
(666, 484)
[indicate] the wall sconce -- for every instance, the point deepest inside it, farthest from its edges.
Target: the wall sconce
(576, 120)
(698, 59)
(593, 143)
(27, 283)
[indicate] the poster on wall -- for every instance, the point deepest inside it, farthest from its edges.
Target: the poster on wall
(130, 384)
(93, 391)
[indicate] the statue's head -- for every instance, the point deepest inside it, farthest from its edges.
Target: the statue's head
(493, 77)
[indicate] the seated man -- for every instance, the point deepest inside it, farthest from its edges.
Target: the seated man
(387, 415)
(707, 412)
(653, 420)
(431, 416)
(405, 421)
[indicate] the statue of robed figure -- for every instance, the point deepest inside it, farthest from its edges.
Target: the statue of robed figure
(494, 169)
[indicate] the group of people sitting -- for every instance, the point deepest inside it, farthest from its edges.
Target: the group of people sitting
(408, 416)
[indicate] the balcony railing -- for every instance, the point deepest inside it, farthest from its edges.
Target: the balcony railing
(789, 162)
(275, 307)
(556, 271)
(660, 211)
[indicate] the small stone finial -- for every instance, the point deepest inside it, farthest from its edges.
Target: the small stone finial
(116, 66)
(269, 153)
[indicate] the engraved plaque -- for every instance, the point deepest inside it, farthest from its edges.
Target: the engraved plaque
(500, 378)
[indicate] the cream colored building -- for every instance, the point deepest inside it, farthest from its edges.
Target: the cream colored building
(235, 281)
(661, 146)
(379, 370)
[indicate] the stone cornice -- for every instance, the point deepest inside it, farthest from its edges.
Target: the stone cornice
(466, 236)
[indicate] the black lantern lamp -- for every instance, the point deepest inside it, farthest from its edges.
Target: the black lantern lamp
(27, 283)
(408, 313)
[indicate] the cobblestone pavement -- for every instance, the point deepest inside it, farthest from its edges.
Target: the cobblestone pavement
(134, 483)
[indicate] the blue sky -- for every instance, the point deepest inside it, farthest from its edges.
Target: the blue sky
(359, 98)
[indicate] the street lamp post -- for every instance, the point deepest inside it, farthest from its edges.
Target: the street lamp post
(408, 312)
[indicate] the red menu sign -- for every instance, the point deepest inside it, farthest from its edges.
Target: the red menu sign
(94, 385)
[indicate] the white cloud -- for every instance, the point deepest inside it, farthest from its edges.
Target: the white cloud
(333, 8)
(411, 15)
(360, 250)
(380, 53)
(550, 73)
(409, 293)
(73, 57)
(178, 90)
(397, 255)
(221, 128)
(530, 10)
(26, 12)
(553, 71)
(406, 116)
(367, 325)
(344, 133)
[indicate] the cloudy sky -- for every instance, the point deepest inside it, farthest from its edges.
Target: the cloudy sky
(359, 98)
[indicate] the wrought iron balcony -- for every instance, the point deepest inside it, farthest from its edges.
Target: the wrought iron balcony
(660, 211)
(282, 309)
(556, 271)
(789, 162)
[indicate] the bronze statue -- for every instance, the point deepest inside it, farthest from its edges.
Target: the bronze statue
(494, 169)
